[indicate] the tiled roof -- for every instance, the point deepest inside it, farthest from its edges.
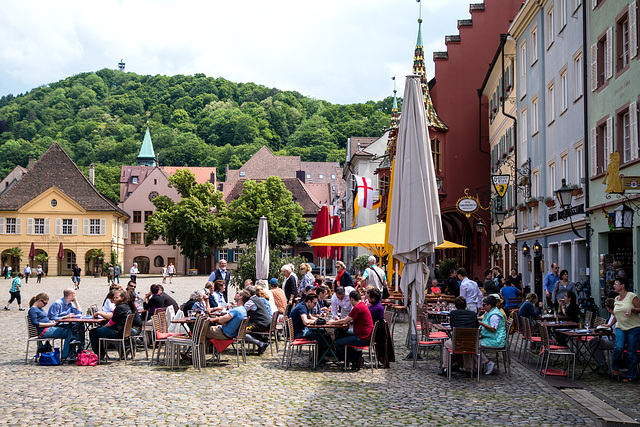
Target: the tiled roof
(56, 169)
(264, 164)
(203, 174)
(359, 143)
(301, 195)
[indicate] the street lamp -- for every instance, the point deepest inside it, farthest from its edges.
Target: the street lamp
(525, 249)
(479, 226)
(537, 248)
(565, 195)
(623, 217)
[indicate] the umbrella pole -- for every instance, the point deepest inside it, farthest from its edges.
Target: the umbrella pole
(413, 331)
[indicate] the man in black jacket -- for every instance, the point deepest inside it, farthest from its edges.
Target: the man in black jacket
(451, 284)
(259, 319)
(459, 318)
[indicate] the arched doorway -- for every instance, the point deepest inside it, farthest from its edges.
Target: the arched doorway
(158, 261)
(307, 256)
(95, 259)
(143, 264)
(41, 259)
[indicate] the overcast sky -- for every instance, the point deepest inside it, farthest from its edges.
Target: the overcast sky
(342, 51)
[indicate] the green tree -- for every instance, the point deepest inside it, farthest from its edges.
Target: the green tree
(271, 199)
(16, 257)
(194, 223)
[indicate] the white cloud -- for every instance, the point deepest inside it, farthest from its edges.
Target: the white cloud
(340, 50)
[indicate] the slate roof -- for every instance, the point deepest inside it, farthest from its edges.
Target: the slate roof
(264, 162)
(56, 169)
(359, 143)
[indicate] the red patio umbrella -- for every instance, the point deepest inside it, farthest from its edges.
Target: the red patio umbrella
(61, 251)
(32, 252)
(336, 227)
(321, 229)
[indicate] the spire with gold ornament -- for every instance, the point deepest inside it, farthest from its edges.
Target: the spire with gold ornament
(395, 121)
(419, 69)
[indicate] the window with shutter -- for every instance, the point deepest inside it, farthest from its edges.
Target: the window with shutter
(608, 141)
(103, 227)
(85, 226)
(125, 233)
(594, 67)
(58, 227)
(594, 151)
(633, 29)
(633, 129)
(18, 225)
(47, 226)
(29, 226)
(75, 227)
(1, 225)
(608, 58)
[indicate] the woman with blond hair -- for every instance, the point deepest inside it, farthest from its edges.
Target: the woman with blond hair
(308, 281)
(343, 278)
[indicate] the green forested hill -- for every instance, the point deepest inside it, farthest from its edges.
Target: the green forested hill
(194, 120)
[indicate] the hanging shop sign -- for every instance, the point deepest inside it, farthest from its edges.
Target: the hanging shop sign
(500, 184)
(468, 204)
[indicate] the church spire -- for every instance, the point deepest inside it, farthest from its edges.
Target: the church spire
(419, 69)
(395, 115)
(146, 157)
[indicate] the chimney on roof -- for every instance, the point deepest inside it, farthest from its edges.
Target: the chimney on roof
(32, 162)
(92, 173)
(213, 178)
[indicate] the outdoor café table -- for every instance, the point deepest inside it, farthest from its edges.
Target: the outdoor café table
(85, 321)
(328, 341)
(438, 316)
(442, 327)
(580, 337)
(553, 325)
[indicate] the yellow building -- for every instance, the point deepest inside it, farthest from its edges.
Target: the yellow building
(54, 209)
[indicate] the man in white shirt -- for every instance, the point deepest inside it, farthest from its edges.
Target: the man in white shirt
(340, 300)
(374, 275)
(133, 272)
(470, 291)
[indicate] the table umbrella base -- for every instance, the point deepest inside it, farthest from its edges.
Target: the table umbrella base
(410, 356)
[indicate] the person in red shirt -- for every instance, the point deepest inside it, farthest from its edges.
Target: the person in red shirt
(362, 329)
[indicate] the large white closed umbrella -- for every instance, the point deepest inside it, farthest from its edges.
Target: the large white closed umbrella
(262, 250)
(415, 226)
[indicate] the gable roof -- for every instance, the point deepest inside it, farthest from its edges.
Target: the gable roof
(357, 144)
(301, 195)
(265, 163)
(56, 169)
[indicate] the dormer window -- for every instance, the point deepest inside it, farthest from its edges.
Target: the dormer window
(134, 179)
(308, 176)
(242, 173)
(321, 176)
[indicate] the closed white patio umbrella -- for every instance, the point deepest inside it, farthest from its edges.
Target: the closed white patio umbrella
(415, 225)
(262, 250)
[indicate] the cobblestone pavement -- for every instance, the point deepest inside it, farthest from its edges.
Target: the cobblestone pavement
(260, 392)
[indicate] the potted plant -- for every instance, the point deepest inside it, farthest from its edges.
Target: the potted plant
(532, 202)
(549, 201)
(522, 207)
(577, 191)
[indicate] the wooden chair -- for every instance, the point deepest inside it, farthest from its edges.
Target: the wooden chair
(504, 350)
(599, 321)
(549, 349)
(271, 333)
(514, 331)
(120, 342)
(238, 342)
(292, 343)
(32, 336)
(527, 339)
(465, 341)
(373, 359)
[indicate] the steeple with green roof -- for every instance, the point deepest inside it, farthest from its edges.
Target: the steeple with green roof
(418, 68)
(146, 157)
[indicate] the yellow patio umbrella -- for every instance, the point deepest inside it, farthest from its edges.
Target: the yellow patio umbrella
(371, 237)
